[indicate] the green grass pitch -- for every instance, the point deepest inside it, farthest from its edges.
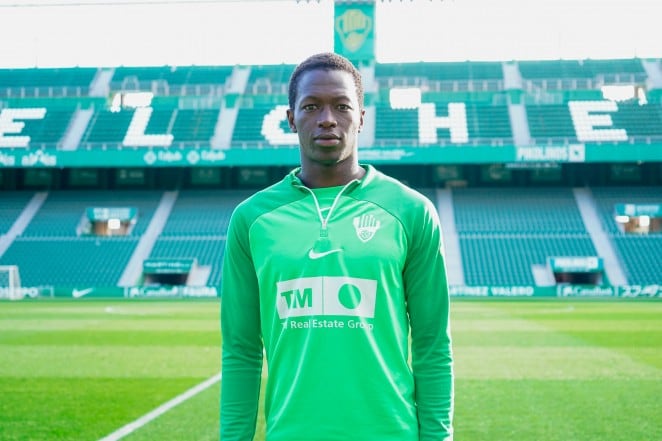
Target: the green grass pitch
(536, 370)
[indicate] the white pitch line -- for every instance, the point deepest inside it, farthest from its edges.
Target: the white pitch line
(131, 427)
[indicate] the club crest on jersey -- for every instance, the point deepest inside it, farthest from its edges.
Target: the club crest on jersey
(366, 226)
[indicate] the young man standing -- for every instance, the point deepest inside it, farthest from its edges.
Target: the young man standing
(331, 271)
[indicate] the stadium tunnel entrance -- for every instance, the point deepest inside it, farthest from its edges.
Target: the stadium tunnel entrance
(174, 272)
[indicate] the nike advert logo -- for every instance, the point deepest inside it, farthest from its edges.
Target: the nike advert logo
(315, 255)
(78, 293)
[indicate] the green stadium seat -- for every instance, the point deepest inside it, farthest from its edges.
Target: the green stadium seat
(269, 79)
(437, 76)
(485, 123)
(607, 197)
(202, 212)
(197, 226)
(194, 125)
(641, 257)
(639, 120)
(554, 69)
(69, 261)
(399, 125)
(50, 251)
(580, 74)
(46, 82)
(248, 126)
(517, 210)
(63, 211)
(503, 232)
(550, 122)
(46, 132)
(507, 259)
(107, 127)
(172, 80)
(459, 71)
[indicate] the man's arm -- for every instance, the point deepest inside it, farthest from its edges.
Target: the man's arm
(242, 342)
(428, 305)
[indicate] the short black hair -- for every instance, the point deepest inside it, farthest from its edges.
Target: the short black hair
(324, 61)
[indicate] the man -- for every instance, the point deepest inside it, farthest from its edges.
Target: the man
(329, 271)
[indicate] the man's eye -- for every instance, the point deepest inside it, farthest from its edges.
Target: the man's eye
(309, 107)
(343, 107)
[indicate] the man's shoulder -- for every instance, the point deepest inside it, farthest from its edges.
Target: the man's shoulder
(266, 200)
(387, 190)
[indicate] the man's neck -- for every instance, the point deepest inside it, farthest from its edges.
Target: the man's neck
(316, 176)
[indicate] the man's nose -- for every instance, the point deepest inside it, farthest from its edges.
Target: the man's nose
(327, 117)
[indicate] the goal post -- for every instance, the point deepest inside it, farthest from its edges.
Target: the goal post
(10, 282)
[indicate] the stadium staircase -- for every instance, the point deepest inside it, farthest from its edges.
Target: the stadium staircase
(227, 117)
(80, 120)
(603, 245)
(450, 237)
(133, 269)
(100, 85)
(16, 213)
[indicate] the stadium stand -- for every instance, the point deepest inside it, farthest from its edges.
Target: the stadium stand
(248, 128)
(107, 129)
(432, 76)
(69, 261)
(507, 259)
(196, 228)
(172, 80)
(641, 257)
(269, 79)
(554, 122)
(51, 250)
(63, 210)
(551, 123)
(607, 197)
(486, 120)
(504, 232)
(46, 82)
(580, 74)
(395, 126)
(504, 228)
(11, 207)
(640, 254)
(640, 120)
(194, 126)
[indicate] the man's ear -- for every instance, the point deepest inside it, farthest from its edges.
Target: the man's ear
(361, 120)
(290, 120)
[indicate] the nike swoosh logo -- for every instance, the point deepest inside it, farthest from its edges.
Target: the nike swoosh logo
(80, 293)
(314, 255)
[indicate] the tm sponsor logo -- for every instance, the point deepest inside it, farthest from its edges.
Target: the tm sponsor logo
(326, 296)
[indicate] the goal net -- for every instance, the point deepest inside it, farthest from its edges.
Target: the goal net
(10, 283)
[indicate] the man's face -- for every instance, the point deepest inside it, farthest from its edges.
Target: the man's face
(327, 117)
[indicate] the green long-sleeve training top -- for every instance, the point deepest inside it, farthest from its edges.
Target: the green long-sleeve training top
(330, 282)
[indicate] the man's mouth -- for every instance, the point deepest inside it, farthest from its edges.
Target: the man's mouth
(327, 140)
